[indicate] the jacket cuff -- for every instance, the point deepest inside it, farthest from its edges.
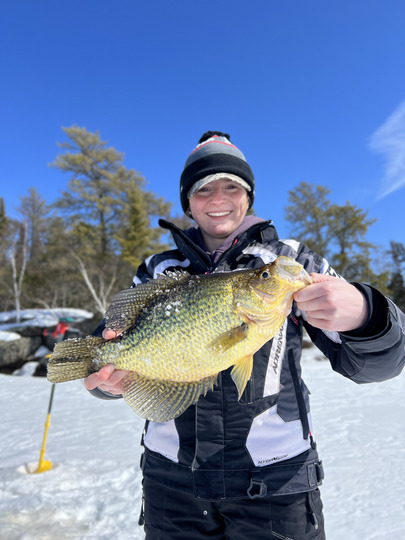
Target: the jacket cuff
(377, 323)
(96, 392)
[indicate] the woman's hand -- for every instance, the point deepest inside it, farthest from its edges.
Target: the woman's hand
(107, 378)
(333, 304)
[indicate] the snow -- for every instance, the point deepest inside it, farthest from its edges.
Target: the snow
(92, 492)
(9, 336)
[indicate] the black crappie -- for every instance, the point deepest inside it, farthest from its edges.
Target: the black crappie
(180, 331)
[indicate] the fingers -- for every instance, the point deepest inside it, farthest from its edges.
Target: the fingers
(320, 295)
(101, 376)
(331, 303)
(114, 384)
(116, 378)
(318, 278)
(110, 334)
(108, 379)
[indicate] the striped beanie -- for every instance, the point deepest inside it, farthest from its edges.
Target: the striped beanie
(215, 154)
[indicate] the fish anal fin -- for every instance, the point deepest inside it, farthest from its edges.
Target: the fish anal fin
(228, 339)
(160, 401)
(241, 373)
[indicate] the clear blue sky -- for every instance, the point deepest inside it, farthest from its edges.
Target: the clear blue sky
(309, 90)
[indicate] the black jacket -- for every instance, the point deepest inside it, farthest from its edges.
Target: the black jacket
(225, 448)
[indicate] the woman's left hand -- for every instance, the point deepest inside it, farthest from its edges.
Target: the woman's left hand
(333, 304)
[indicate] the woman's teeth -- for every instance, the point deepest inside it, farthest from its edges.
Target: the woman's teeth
(218, 214)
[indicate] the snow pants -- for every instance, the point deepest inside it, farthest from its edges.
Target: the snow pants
(173, 515)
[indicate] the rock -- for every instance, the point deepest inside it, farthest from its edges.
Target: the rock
(14, 353)
(24, 340)
(17, 352)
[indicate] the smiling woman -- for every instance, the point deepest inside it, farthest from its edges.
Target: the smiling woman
(214, 157)
(216, 187)
(219, 208)
(247, 466)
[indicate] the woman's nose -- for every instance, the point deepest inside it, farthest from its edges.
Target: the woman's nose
(217, 195)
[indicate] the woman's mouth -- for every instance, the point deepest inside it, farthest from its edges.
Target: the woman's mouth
(218, 214)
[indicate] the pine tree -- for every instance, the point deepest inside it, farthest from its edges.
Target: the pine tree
(3, 248)
(138, 240)
(5, 283)
(3, 220)
(34, 210)
(347, 227)
(397, 283)
(108, 211)
(307, 215)
(336, 232)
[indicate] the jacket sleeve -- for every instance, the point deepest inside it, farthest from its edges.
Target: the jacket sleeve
(373, 353)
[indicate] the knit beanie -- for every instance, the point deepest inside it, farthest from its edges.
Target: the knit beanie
(214, 154)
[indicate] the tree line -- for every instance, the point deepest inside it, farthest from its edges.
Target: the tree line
(86, 245)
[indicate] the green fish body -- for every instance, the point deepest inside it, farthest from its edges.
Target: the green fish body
(179, 331)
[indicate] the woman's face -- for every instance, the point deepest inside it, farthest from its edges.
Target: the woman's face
(219, 208)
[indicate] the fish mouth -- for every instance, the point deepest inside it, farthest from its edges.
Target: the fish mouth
(305, 277)
(298, 281)
(294, 273)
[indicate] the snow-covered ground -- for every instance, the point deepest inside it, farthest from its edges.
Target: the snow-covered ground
(93, 489)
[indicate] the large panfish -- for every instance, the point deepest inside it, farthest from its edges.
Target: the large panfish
(180, 331)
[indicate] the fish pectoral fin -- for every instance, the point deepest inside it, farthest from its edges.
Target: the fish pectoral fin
(159, 400)
(227, 340)
(241, 373)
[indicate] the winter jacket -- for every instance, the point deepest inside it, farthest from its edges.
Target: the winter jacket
(262, 444)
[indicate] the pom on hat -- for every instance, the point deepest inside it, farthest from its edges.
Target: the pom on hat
(214, 154)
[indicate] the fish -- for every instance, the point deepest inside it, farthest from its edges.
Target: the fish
(179, 331)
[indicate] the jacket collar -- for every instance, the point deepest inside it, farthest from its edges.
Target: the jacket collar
(261, 231)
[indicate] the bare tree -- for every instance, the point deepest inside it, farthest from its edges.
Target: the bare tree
(18, 261)
(103, 289)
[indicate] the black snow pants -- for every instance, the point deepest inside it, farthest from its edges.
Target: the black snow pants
(172, 515)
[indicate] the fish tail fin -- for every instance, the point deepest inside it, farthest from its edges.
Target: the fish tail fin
(73, 359)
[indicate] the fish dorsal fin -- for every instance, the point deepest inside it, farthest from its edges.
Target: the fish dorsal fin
(228, 339)
(127, 305)
(241, 373)
(160, 401)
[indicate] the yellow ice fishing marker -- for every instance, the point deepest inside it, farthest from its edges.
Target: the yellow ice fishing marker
(44, 464)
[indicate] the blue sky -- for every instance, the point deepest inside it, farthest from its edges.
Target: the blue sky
(310, 91)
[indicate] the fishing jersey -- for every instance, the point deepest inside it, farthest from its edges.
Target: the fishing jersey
(262, 444)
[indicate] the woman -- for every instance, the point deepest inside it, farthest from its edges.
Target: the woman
(249, 468)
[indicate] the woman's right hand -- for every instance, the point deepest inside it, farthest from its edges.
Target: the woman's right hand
(107, 378)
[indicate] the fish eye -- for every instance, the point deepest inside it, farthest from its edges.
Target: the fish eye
(265, 274)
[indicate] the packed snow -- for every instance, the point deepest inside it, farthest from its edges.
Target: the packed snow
(93, 489)
(9, 336)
